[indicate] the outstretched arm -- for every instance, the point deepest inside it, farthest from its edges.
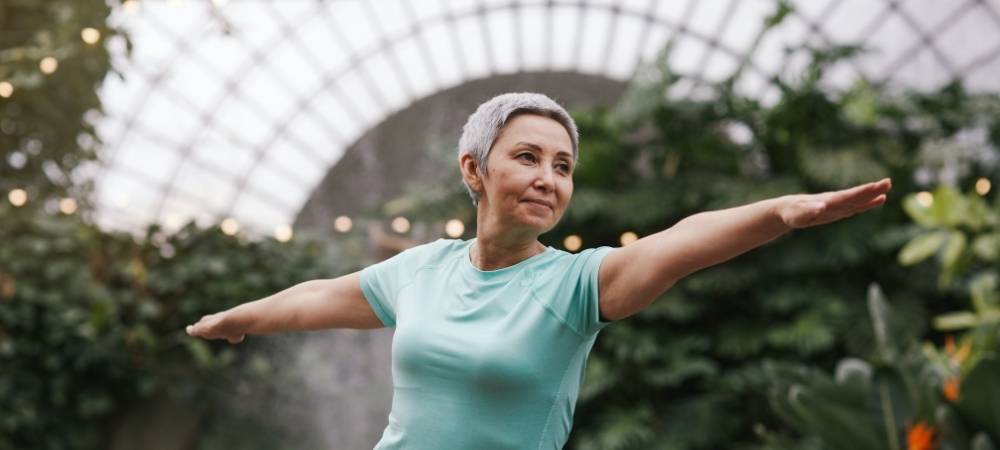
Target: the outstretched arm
(633, 276)
(310, 305)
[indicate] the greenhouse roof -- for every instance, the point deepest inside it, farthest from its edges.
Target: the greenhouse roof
(238, 109)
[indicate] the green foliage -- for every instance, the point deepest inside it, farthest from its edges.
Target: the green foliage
(91, 322)
(48, 120)
(877, 404)
(947, 217)
(791, 300)
(979, 404)
(949, 221)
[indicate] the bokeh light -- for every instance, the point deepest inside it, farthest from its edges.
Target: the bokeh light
(48, 65)
(283, 233)
(400, 225)
(454, 228)
(18, 197)
(90, 35)
(628, 237)
(229, 226)
(342, 224)
(983, 186)
(572, 242)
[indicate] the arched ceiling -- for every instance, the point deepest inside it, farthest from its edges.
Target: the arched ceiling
(240, 109)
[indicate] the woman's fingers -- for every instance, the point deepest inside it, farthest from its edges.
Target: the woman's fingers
(199, 328)
(856, 199)
(873, 203)
(208, 327)
(818, 209)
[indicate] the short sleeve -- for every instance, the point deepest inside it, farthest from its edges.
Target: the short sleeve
(582, 309)
(382, 281)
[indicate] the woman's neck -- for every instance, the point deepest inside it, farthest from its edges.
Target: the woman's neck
(486, 255)
(495, 249)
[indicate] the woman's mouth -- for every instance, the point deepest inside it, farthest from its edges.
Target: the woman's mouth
(539, 203)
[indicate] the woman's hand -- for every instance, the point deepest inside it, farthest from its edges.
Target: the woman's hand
(806, 210)
(214, 326)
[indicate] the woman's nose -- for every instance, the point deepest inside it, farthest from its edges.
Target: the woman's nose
(545, 179)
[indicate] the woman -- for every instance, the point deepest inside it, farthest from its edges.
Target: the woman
(492, 334)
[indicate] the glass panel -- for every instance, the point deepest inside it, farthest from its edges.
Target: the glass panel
(972, 36)
(127, 192)
(596, 29)
(625, 51)
(565, 35)
(147, 157)
(534, 31)
(500, 23)
(213, 188)
(385, 76)
(444, 52)
(353, 25)
(411, 60)
(473, 46)
(218, 150)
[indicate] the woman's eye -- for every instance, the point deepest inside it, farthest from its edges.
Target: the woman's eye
(564, 167)
(526, 156)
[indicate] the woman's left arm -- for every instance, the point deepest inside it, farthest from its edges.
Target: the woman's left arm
(631, 277)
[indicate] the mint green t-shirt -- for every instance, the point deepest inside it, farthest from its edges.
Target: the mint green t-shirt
(485, 360)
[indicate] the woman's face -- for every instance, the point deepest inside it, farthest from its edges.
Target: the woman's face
(529, 179)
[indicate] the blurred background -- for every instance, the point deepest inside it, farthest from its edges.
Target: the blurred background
(166, 159)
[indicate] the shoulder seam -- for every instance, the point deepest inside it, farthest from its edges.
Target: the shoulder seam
(413, 277)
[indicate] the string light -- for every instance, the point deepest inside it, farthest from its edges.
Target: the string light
(130, 5)
(18, 197)
(173, 220)
(400, 225)
(17, 160)
(121, 201)
(283, 233)
(229, 226)
(48, 65)
(342, 224)
(90, 35)
(67, 206)
(6, 89)
(983, 186)
(572, 242)
(454, 228)
(628, 237)
(925, 199)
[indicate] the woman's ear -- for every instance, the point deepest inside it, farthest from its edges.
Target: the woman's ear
(470, 171)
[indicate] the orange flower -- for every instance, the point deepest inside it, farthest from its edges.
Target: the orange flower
(963, 352)
(957, 355)
(950, 389)
(920, 436)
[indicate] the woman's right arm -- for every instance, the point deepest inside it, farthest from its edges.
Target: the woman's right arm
(310, 305)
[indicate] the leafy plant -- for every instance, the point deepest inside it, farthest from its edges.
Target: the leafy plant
(47, 120)
(899, 399)
(91, 322)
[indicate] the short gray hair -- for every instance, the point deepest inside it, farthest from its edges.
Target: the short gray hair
(484, 126)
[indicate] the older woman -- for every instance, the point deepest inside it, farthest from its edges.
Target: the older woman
(492, 334)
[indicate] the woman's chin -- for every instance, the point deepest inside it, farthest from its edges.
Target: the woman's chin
(539, 224)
